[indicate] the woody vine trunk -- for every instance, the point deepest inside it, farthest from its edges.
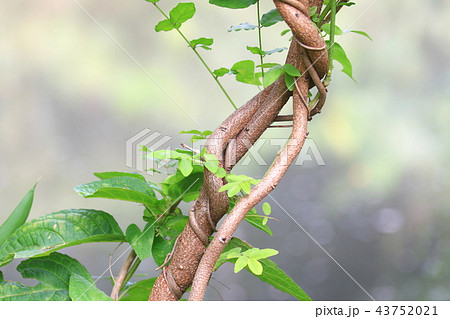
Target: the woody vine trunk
(193, 255)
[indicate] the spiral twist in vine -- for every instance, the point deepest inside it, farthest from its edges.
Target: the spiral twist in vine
(193, 254)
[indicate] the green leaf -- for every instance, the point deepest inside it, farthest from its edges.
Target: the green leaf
(267, 65)
(240, 264)
(246, 187)
(62, 229)
(140, 291)
(177, 16)
(233, 4)
(186, 188)
(256, 50)
(173, 226)
(339, 55)
(273, 275)
(152, 1)
(243, 26)
(256, 220)
(141, 241)
(291, 70)
(272, 75)
(53, 273)
(18, 217)
(267, 210)
(255, 266)
(81, 289)
(221, 72)
(327, 29)
(362, 33)
(107, 175)
(164, 25)
(202, 42)
(245, 72)
(312, 11)
(220, 173)
(181, 13)
(236, 188)
(185, 166)
(285, 31)
(234, 253)
(270, 18)
(191, 131)
(261, 253)
(121, 188)
(161, 247)
(289, 80)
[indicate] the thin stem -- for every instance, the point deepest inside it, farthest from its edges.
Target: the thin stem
(132, 270)
(200, 58)
(120, 280)
(260, 39)
(330, 49)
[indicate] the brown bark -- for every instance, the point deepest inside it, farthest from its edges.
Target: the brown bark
(229, 142)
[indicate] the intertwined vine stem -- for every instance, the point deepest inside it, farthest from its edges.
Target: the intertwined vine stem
(193, 257)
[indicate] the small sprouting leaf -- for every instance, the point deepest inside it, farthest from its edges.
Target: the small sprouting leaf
(261, 253)
(181, 13)
(164, 25)
(141, 241)
(234, 253)
(232, 188)
(221, 173)
(272, 274)
(233, 4)
(245, 72)
(291, 70)
(185, 166)
(152, 1)
(362, 33)
(82, 289)
(256, 50)
(284, 32)
(242, 26)
(18, 217)
(270, 18)
(202, 42)
(178, 15)
(272, 75)
(221, 72)
(240, 264)
(246, 187)
(267, 210)
(255, 266)
(339, 55)
(312, 11)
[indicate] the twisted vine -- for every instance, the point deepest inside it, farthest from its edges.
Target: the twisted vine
(193, 257)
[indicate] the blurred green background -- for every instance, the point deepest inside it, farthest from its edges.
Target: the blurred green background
(70, 98)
